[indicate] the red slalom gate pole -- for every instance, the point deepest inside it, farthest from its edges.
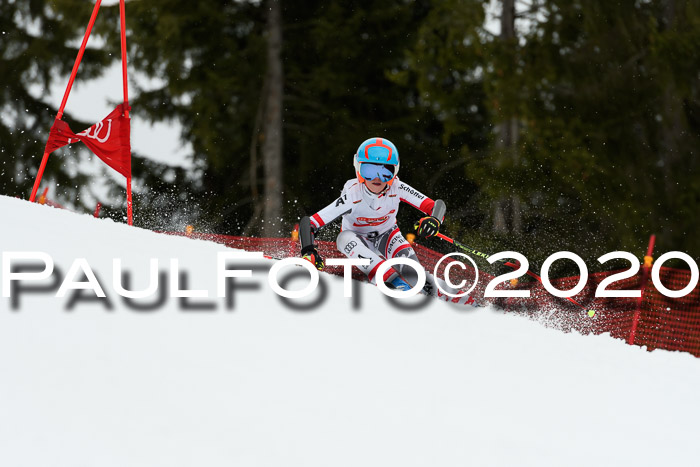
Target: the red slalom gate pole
(42, 198)
(643, 282)
(39, 174)
(122, 16)
(59, 115)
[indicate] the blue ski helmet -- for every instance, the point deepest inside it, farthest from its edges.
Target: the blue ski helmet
(377, 151)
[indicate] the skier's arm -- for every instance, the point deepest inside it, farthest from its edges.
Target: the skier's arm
(337, 208)
(435, 210)
(418, 200)
(308, 226)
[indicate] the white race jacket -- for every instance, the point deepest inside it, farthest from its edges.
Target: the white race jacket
(369, 214)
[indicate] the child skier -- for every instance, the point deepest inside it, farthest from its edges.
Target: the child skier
(368, 205)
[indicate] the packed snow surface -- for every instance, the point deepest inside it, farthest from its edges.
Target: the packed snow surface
(335, 381)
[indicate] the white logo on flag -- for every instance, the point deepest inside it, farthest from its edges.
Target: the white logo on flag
(96, 133)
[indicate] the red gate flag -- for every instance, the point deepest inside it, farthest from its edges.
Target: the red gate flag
(108, 139)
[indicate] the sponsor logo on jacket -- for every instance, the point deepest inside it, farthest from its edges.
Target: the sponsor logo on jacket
(370, 221)
(394, 241)
(411, 191)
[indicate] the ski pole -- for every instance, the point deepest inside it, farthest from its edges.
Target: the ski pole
(464, 247)
(591, 312)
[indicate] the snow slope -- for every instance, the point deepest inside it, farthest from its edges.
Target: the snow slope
(341, 383)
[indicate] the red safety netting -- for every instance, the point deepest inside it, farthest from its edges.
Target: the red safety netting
(663, 322)
(670, 323)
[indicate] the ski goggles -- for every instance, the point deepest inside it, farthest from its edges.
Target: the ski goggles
(371, 171)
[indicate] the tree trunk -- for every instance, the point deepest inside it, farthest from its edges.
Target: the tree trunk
(508, 20)
(673, 122)
(272, 124)
(507, 217)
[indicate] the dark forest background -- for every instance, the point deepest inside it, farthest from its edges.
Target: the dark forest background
(568, 125)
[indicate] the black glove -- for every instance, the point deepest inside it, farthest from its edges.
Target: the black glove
(427, 227)
(310, 254)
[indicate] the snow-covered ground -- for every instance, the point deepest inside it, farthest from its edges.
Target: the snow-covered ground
(343, 382)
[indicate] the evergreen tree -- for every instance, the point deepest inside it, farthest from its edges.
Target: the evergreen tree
(585, 115)
(594, 96)
(37, 40)
(339, 59)
(209, 57)
(604, 122)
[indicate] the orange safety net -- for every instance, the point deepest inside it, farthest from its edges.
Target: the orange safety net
(664, 323)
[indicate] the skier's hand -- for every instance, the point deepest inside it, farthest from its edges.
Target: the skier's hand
(310, 254)
(427, 227)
